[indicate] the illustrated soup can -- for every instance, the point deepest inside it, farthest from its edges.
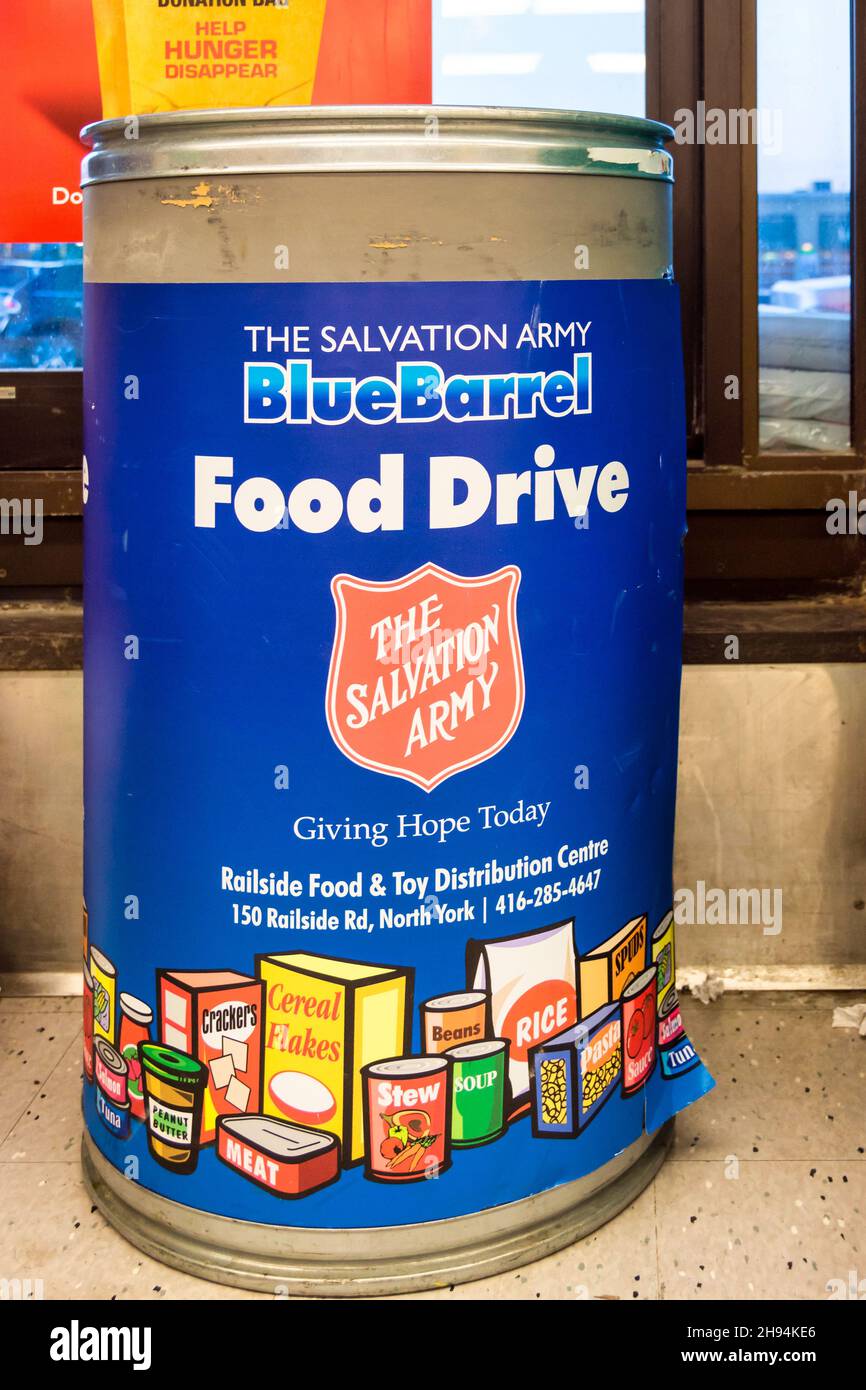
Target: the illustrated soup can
(384, 503)
(478, 1092)
(638, 1031)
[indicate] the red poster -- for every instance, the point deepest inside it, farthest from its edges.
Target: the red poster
(372, 51)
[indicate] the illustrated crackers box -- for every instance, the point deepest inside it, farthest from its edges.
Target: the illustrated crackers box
(604, 972)
(325, 1019)
(216, 1016)
(573, 1074)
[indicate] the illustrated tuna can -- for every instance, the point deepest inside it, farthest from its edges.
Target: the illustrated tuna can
(407, 1118)
(384, 502)
(478, 1092)
(639, 1031)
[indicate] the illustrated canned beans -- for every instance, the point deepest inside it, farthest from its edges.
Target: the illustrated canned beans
(113, 1114)
(112, 1072)
(450, 1020)
(407, 1114)
(639, 1030)
(671, 1025)
(478, 1092)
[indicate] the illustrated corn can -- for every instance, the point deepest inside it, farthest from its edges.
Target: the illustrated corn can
(639, 1031)
(384, 505)
(662, 952)
(407, 1118)
(478, 1092)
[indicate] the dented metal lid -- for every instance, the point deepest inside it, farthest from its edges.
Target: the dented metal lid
(375, 139)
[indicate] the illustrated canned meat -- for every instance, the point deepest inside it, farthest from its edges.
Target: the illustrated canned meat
(112, 1072)
(216, 1016)
(136, 1019)
(104, 978)
(663, 953)
(638, 1030)
(114, 1114)
(325, 1019)
(87, 1035)
(574, 1074)
(678, 1059)
(285, 1159)
(671, 1026)
(479, 1084)
(174, 1087)
(605, 971)
(407, 1118)
(531, 982)
(450, 1019)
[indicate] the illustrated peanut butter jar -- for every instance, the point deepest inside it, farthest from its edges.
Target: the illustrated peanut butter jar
(174, 1086)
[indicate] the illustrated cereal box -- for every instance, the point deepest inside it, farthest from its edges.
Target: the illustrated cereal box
(325, 1019)
(216, 1016)
(605, 971)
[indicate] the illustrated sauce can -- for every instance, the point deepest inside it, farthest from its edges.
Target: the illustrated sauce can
(639, 1030)
(478, 1092)
(407, 1118)
(452, 1019)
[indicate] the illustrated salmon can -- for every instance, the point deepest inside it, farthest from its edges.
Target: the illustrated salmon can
(671, 1026)
(282, 1158)
(479, 1086)
(453, 1019)
(407, 405)
(112, 1071)
(407, 1114)
(638, 1031)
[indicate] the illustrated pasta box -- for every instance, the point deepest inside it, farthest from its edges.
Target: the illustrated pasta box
(216, 1016)
(325, 1019)
(284, 1159)
(531, 987)
(573, 1074)
(605, 971)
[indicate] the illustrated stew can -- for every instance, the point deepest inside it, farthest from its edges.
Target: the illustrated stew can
(638, 1031)
(407, 1118)
(453, 1019)
(478, 1092)
(384, 503)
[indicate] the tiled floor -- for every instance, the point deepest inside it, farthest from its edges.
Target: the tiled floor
(764, 1195)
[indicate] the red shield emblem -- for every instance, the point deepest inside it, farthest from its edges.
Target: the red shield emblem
(426, 674)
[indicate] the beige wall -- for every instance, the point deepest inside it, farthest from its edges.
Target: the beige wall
(772, 778)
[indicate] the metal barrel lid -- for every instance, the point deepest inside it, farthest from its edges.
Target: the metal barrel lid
(333, 139)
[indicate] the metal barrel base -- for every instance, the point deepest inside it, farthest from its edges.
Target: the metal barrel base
(371, 1262)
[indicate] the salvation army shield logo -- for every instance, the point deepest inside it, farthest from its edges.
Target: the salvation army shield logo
(426, 673)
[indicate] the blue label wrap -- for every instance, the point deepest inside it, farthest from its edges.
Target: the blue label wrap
(382, 665)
